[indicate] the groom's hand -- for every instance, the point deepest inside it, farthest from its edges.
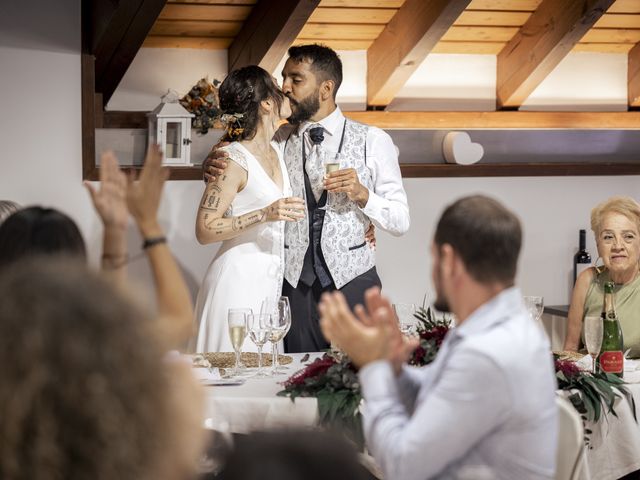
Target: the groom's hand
(215, 163)
(346, 181)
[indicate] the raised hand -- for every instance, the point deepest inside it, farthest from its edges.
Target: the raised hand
(110, 199)
(143, 196)
(290, 209)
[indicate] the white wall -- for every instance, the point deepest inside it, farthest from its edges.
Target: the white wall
(40, 162)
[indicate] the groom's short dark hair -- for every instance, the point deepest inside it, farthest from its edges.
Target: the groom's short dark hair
(324, 61)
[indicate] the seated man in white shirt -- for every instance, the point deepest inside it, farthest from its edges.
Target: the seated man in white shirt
(485, 407)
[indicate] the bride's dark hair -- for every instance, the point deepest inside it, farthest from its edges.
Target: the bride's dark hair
(240, 96)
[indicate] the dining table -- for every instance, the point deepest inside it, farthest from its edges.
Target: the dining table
(253, 405)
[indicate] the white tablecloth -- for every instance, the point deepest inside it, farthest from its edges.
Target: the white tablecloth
(253, 406)
(615, 442)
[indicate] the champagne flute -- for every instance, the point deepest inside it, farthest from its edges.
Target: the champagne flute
(593, 330)
(237, 320)
(246, 311)
(259, 333)
(405, 313)
(279, 324)
(332, 163)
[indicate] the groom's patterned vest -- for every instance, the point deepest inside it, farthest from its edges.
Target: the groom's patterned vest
(345, 251)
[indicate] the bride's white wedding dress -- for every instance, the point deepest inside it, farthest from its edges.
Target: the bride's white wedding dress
(247, 268)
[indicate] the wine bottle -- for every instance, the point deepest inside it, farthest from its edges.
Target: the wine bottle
(611, 359)
(582, 259)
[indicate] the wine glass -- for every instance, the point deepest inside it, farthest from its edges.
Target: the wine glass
(535, 306)
(279, 324)
(332, 162)
(405, 313)
(593, 330)
(237, 320)
(247, 311)
(259, 334)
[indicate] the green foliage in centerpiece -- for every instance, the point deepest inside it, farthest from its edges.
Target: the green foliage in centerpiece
(591, 394)
(333, 381)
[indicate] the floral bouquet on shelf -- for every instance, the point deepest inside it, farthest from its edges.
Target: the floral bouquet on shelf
(203, 101)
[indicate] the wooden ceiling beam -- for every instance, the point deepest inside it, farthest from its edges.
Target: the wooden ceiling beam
(452, 120)
(633, 73)
(404, 43)
(113, 32)
(268, 32)
(500, 120)
(543, 41)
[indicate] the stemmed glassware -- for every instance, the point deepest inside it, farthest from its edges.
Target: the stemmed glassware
(279, 325)
(535, 306)
(405, 312)
(237, 320)
(258, 325)
(332, 162)
(593, 329)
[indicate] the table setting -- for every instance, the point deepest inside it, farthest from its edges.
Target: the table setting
(247, 391)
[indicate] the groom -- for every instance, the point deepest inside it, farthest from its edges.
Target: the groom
(328, 251)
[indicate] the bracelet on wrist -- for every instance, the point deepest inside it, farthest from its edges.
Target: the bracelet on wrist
(150, 242)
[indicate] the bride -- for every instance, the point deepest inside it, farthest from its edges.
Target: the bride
(245, 208)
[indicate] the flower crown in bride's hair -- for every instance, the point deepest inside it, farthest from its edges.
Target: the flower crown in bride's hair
(233, 124)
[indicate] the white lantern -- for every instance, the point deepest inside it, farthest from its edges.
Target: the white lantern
(170, 127)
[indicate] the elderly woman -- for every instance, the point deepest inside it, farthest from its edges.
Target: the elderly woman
(616, 225)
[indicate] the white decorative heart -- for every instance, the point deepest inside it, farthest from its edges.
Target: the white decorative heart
(457, 147)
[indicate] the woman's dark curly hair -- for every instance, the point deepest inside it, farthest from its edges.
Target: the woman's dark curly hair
(240, 95)
(84, 390)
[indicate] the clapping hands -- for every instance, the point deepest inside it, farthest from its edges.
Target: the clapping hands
(368, 334)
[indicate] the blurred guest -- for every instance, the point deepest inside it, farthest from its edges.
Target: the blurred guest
(7, 207)
(485, 408)
(84, 390)
(37, 230)
(293, 455)
(616, 226)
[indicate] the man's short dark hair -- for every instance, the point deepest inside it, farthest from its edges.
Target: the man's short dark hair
(324, 61)
(485, 234)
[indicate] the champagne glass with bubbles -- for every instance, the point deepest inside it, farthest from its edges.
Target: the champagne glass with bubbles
(593, 330)
(237, 320)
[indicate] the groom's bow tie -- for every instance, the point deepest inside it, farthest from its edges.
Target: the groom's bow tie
(316, 134)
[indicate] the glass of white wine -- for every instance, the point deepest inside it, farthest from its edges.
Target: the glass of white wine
(258, 325)
(593, 330)
(332, 163)
(237, 320)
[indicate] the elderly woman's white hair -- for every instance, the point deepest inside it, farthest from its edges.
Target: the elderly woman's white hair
(7, 207)
(626, 206)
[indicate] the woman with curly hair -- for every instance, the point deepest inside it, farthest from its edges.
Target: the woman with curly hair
(85, 389)
(245, 208)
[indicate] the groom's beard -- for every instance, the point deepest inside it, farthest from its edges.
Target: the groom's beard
(305, 108)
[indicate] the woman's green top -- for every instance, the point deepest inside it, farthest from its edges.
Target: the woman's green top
(627, 302)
